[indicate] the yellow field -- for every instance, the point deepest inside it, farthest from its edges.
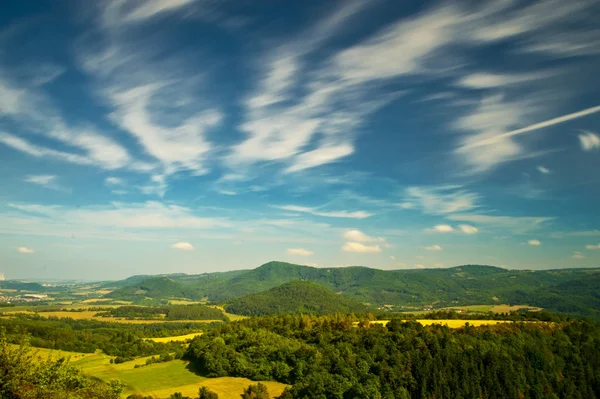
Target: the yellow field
(89, 315)
(508, 308)
(182, 302)
(452, 323)
(160, 379)
(175, 338)
(92, 300)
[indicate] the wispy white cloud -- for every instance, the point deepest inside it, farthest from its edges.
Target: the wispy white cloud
(441, 228)
(467, 229)
(577, 255)
(534, 243)
(42, 180)
(589, 141)
(486, 146)
(180, 147)
(299, 252)
(333, 214)
(516, 224)
(25, 250)
(119, 12)
(493, 141)
(114, 181)
(433, 248)
(592, 246)
(184, 246)
(543, 170)
(360, 248)
(439, 200)
(46, 181)
(486, 80)
(148, 215)
(35, 112)
(359, 236)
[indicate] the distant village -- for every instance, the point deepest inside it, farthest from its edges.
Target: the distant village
(23, 298)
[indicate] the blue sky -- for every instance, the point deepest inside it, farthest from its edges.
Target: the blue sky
(199, 135)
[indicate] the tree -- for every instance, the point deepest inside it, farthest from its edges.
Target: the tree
(258, 391)
(205, 393)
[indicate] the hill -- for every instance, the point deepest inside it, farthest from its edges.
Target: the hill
(565, 290)
(156, 287)
(294, 297)
(22, 286)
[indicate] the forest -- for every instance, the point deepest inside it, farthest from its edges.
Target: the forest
(573, 291)
(328, 357)
(295, 297)
(172, 312)
(125, 341)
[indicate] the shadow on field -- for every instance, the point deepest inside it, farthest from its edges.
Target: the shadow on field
(194, 368)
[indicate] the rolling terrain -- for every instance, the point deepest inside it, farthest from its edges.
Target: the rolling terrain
(573, 291)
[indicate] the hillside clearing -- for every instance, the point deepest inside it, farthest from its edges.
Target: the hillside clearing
(160, 379)
(175, 338)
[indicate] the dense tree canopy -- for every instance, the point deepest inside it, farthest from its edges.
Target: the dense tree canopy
(294, 298)
(326, 357)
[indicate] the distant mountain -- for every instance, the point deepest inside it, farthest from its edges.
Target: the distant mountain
(156, 287)
(565, 290)
(294, 297)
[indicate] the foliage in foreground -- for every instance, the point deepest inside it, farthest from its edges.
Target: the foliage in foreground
(23, 376)
(326, 357)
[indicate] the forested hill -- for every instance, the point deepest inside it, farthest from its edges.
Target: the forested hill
(295, 297)
(563, 290)
(157, 287)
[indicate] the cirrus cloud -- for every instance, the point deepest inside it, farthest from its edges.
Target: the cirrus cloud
(534, 243)
(591, 246)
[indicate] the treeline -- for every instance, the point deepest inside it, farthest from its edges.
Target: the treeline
(173, 312)
(254, 391)
(453, 315)
(125, 341)
(23, 376)
(326, 357)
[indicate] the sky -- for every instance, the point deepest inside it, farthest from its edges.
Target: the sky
(158, 136)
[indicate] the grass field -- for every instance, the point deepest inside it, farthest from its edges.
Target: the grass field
(160, 379)
(492, 308)
(175, 338)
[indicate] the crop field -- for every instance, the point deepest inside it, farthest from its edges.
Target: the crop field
(175, 338)
(452, 323)
(492, 308)
(90, 315)
(160, 379)
(509, 308)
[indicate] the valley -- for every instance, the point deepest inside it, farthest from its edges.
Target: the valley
(149, 330)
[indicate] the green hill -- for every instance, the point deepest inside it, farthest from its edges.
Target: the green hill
(22, 286)
(294, 297)
(156, 287)
(566, 290)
